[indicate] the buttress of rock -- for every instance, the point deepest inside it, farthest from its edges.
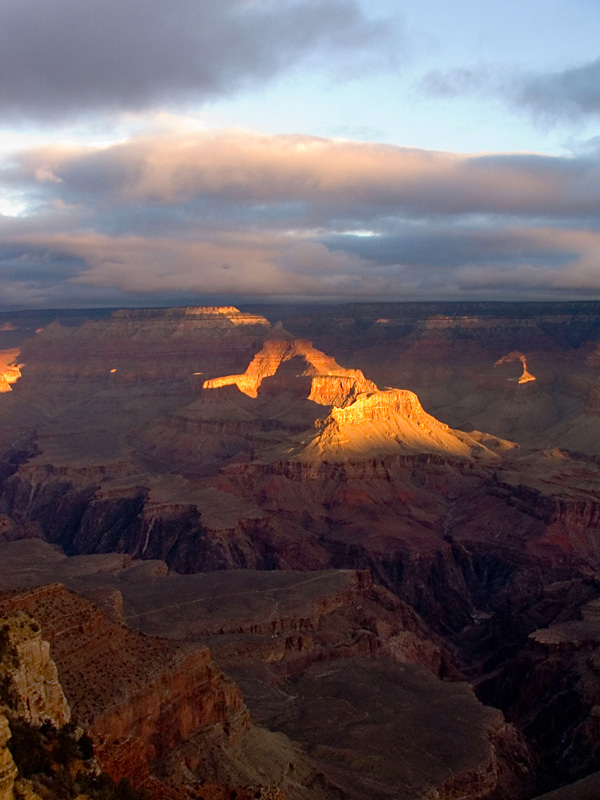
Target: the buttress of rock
(28, 675)
(331, 384)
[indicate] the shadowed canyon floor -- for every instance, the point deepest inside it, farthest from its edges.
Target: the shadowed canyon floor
(348, 551)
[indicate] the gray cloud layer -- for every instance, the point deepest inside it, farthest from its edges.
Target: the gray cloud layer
(569, 94)
(239, 213)
(306, 178)
(67, 56)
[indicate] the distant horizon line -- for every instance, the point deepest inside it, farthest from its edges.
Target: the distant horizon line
(317, 304)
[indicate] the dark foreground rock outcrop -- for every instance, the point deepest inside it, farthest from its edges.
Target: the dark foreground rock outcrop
(328, 659)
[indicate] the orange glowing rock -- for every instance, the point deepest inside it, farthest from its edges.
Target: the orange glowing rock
(526, 377)
(10, 369)
(392, 421)
(331, 383)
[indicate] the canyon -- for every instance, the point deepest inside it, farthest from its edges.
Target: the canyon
(294, 577)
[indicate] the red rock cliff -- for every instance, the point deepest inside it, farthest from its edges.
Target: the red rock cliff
(139, 696)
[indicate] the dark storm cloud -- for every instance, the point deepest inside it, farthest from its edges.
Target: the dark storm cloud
(569, 94)
(67, 56)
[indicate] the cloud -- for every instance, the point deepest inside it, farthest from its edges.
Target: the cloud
(566, 95)
(308, 179)
(458, 81)
(446, 247)
(234, 213)
(248, 265)
(66, 57)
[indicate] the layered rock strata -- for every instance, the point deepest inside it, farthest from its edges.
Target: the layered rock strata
(282, 618)
(144, 345)
(391, 421)
(307, 648)
(138, 697)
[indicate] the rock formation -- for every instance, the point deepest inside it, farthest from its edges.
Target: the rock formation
(293, 640)
(9, 368)
(525, 376)
(128, 691)
(30, 696)
(139, 699)
(551, 688)
(391, 421)
(206, 440)
(30, 676)
(330, 383)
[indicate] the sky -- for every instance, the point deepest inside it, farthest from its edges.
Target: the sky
(164, 152)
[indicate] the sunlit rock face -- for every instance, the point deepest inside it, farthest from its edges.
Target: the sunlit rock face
(446, 353)
(331, 384)
(10, 369)
(515, 356)
(390, 421)
(363, 420)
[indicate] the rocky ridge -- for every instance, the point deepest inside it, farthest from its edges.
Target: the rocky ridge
(390, 421)
(331, 384)
(289, 638)
(138, 697)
